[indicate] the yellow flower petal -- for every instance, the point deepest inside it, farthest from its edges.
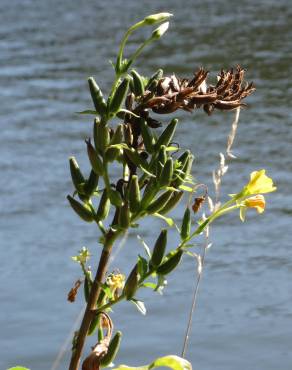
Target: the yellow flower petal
(258, 202)
(259, 183)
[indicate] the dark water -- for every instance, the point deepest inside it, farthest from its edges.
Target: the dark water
(48, 48)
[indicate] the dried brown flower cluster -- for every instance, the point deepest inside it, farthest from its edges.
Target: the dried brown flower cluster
(172, 93)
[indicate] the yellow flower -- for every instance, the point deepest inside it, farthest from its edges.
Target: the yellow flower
(259, 183)
(258, 202)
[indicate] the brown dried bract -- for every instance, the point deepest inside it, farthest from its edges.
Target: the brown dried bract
(73, 292)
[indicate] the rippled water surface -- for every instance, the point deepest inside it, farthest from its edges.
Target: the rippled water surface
(48, 49)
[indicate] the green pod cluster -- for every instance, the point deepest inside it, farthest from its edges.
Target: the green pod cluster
(97, 97)
(112, 153)
(153, 80)
(134, 194)
(101, 136)
(160, 202)
(166, 173)
(91, 183)
(76, 174)
(167, 135)
(159, 249)
(112, 351)
(131, 284)
(103, 207)
(119, 96)
(137, 83)
(124, 216)
(82, 210)
(115, 198)
(95, 160)
(148, 138)
(186, 225)
(171, 263)
(172, 203)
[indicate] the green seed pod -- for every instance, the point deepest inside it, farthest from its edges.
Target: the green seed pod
(159, 249)
(162, 155)
(166, 173)
(138, 83)
(87, 288)
(95, 161)
(160, 202)
(153, 80)
(124, 216)
(101, 136)
(112, 153)
(93, 325)
(115, 198)
(91, 183)
(186, 225)
(112, 351)
(76, 174)
(104, 206)
(82, 210)
(167, 135)
(150, 191)
(119, 96)
(170, 264)
(134, 157)
(134, 194)
(147, 136)
(188, 166)
(97, 97)
(131, 284)
(173, 201)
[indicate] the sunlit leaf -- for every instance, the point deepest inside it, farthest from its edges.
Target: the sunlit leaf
(140, 306)
(149, 284)
(18, 368)
(168, 220)
(145, 246)
(142, 265)
(186, 188)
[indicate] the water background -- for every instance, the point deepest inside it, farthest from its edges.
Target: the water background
(243, 319)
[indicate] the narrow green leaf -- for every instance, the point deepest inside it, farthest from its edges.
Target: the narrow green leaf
(145, 246)
(168, 220)
(140, 305)
(94, 112)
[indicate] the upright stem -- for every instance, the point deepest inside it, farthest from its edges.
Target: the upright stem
(93, 297)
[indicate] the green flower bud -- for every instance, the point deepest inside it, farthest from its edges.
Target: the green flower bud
(160, 31)
(159, 249)
(160, 202)
(150, 191)
(138, 83)
(124, 216)
(97, 97)
(131, 284)
(173, 201)
(104, 206)
(119, 96)
(134, 157)
(134, 194)
(186, 225)
(112, 351)
(147, 136)
(157, 18)
(101, 136)
(82, 210)
(95, 161)
(115, 198)
(166, 173)
(76, 174)
(167, 135)
(91, 183)
(112, 153)
(171, 263)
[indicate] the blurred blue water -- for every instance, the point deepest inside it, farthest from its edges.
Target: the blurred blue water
(48, 48)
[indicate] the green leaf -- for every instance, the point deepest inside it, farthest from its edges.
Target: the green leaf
(18, 368)
(142, 266)
(186, 188)
(145, 246)
(94, 112)
(140, 305)
(171, 361)
(107, 291)
(150, 285)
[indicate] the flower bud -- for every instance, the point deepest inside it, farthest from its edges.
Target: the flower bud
(134, 194)
(97, 97)
(95, 161)
(76, 174)
(160, 31)
(124, 216)
(91, 183)
(112, 351)
(82, 210)
(119, 96)
(159, 249)
(160, 202)
(166, 173)
(186, 225)
(137, 83)
(173, 201)
(104, 206)
(147, 136)
(150, 191)
(167, 135)
(131, 284)
(157, 18)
